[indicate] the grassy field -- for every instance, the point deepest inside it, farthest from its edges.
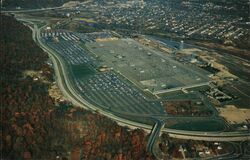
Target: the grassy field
(81, 71)
(89, 20)
(178, 95)
(204, 125)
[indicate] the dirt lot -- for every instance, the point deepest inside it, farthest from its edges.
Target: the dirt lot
(229, 49)
(188, 108)
(234, 115)
(55, 93)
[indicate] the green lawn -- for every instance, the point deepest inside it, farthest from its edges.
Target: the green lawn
(205, 125)
(81, 70)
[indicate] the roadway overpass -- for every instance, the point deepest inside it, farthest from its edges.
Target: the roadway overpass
(182, 88)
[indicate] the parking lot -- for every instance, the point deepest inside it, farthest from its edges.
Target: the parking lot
(65, 44)
(107, 90)
(147, 68)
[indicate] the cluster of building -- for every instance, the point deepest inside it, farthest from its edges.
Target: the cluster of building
(218, 95)
(189, 19)
(183, 149)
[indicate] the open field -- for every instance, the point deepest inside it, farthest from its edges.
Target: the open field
(187, 108)
(235, 115)
(82, 70)
(192, 125)
(86, 20)
(241, 92)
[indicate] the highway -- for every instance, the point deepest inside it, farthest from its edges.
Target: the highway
(155, 133)
(32, 10)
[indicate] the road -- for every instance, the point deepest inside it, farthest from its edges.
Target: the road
(33, 10)
(155, 132)
(181, 88)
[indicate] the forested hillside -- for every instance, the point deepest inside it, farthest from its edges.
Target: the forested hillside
(36, 126)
